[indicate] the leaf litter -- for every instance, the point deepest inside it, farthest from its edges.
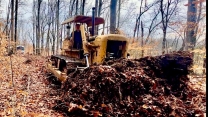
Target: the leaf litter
(29, 95)
(150, 86)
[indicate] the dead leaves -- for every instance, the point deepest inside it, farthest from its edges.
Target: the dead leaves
(30, 91)
(145, 87)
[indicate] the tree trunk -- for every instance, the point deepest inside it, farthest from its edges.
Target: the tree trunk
(12, 20)
(142, 36)
(72, 8)
(83, 7)
(7, 21)
(42, 40)
(119, 10)
(48, 32)
(97, 5)
(152, 26)
(34, 31)
(16, 15)
(140, 15)
(165, 13)
(53, 36)
(38, 29)
(107, 23)
(198, 18)
(191, 22)
(140, 12)
(164, 42)
(176, 45)
(113, 16)
(166, 46)
(100, 7)
(57, 22)
(96, 8)
(47, 39)
(77, 4)
(163, 27)
(135, 28)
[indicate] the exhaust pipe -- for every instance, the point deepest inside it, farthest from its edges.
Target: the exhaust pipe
(93, 21)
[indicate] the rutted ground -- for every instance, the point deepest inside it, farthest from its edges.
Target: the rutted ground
(28, 94)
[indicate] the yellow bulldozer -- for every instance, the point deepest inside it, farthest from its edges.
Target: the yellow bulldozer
(94, 49)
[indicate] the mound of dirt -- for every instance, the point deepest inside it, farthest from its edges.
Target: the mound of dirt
(150, 86)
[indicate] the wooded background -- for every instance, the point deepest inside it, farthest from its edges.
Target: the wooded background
(171, 25)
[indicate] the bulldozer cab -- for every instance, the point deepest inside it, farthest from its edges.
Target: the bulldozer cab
(81, 32)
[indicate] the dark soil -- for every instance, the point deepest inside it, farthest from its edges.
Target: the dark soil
(28, 61)
(146, 87)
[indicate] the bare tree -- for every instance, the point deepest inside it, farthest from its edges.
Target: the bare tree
(72, 8)
(100, 7)
(166, 11)
(57, 23)
(142, 41)
(119, 12)
(96, 8)
(53, 25)
(49, 18)
(83, 7)
(77, 6)
(34, 26)
(6, 29)
(16, 16)
(12, 20)
(198, 17)
(136, 29)
(152, 26)
(191, 21)
(140, 14)
(43, 24)
(38, 28)
(113, 5)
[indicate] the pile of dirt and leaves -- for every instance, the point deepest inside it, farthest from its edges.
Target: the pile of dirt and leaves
(150, 86)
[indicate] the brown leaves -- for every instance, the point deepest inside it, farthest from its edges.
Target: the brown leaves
(144, 87)
(28, 97)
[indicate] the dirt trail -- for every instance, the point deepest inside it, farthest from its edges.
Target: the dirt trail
(29, 95)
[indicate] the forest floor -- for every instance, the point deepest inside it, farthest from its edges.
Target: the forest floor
(25, 91)
(27, 95)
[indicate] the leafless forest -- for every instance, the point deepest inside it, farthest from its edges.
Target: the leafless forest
(154, 28)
